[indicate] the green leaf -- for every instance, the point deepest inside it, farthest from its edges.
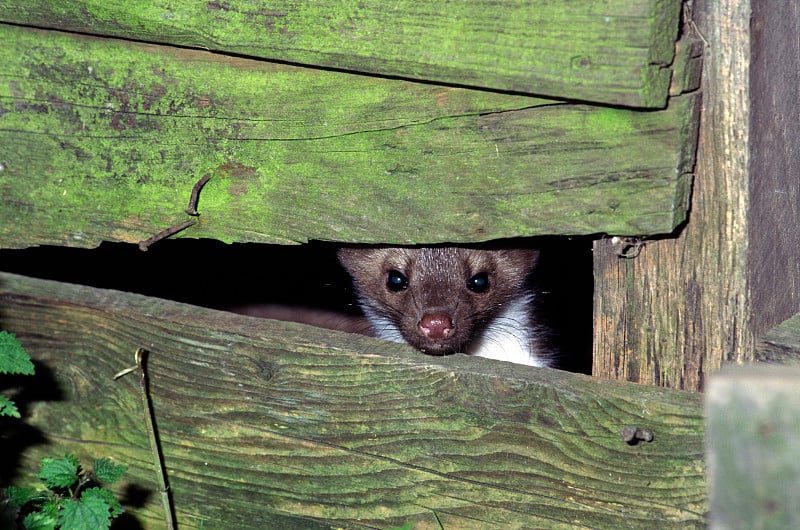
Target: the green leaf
(13, 357)
(8, 408)
(19, 497)
(59, 472)
(105, 495)
(91, 513)
(39, 521)
(51, 506)
(106, 471)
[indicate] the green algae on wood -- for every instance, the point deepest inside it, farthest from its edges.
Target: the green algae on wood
(268, 424)
(608, 51)
(103, 140)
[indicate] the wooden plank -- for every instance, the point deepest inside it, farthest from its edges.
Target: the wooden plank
(781, 344)
(267, 424)
(611, 51)
(774, 198)
(681, 307)
(753, 417)
(104, 140)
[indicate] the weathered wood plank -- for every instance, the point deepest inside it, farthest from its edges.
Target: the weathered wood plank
(774, 198)
(103, 140)
(615, 52)
(682, 307)
(753, 413)
(268, 424)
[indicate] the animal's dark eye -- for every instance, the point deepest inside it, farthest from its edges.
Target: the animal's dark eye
(479, 283)
(396, 281)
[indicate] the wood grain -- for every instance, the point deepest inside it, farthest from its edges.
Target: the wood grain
(103, 140)
(267, 424)
(774, 202)
(682, 307)
(613, 51)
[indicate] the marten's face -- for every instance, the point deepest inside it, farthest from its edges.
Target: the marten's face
(437, 298)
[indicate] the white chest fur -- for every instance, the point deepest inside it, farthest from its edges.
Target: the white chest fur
(509, 337)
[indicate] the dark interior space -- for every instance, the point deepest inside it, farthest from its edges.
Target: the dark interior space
(221, 276)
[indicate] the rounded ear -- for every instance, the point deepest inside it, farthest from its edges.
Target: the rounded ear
(524, 259)
(345, 255)
(355, 259)
(348, 256)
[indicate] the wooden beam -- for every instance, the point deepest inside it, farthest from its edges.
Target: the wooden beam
(682, 307)
(774, 202)
(103, 140)
(616, 52)
(267, 424)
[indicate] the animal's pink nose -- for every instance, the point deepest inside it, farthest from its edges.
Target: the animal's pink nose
(436, 325)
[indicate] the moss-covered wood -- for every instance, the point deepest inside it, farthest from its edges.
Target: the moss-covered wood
(103, 140)
(616, 52)
(275, 425)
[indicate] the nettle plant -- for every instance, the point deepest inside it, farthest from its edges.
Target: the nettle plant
(73, 498)
(14, 360)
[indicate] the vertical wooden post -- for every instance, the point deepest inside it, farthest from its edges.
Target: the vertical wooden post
(774, 218)
(682, 306)
(688, 303)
